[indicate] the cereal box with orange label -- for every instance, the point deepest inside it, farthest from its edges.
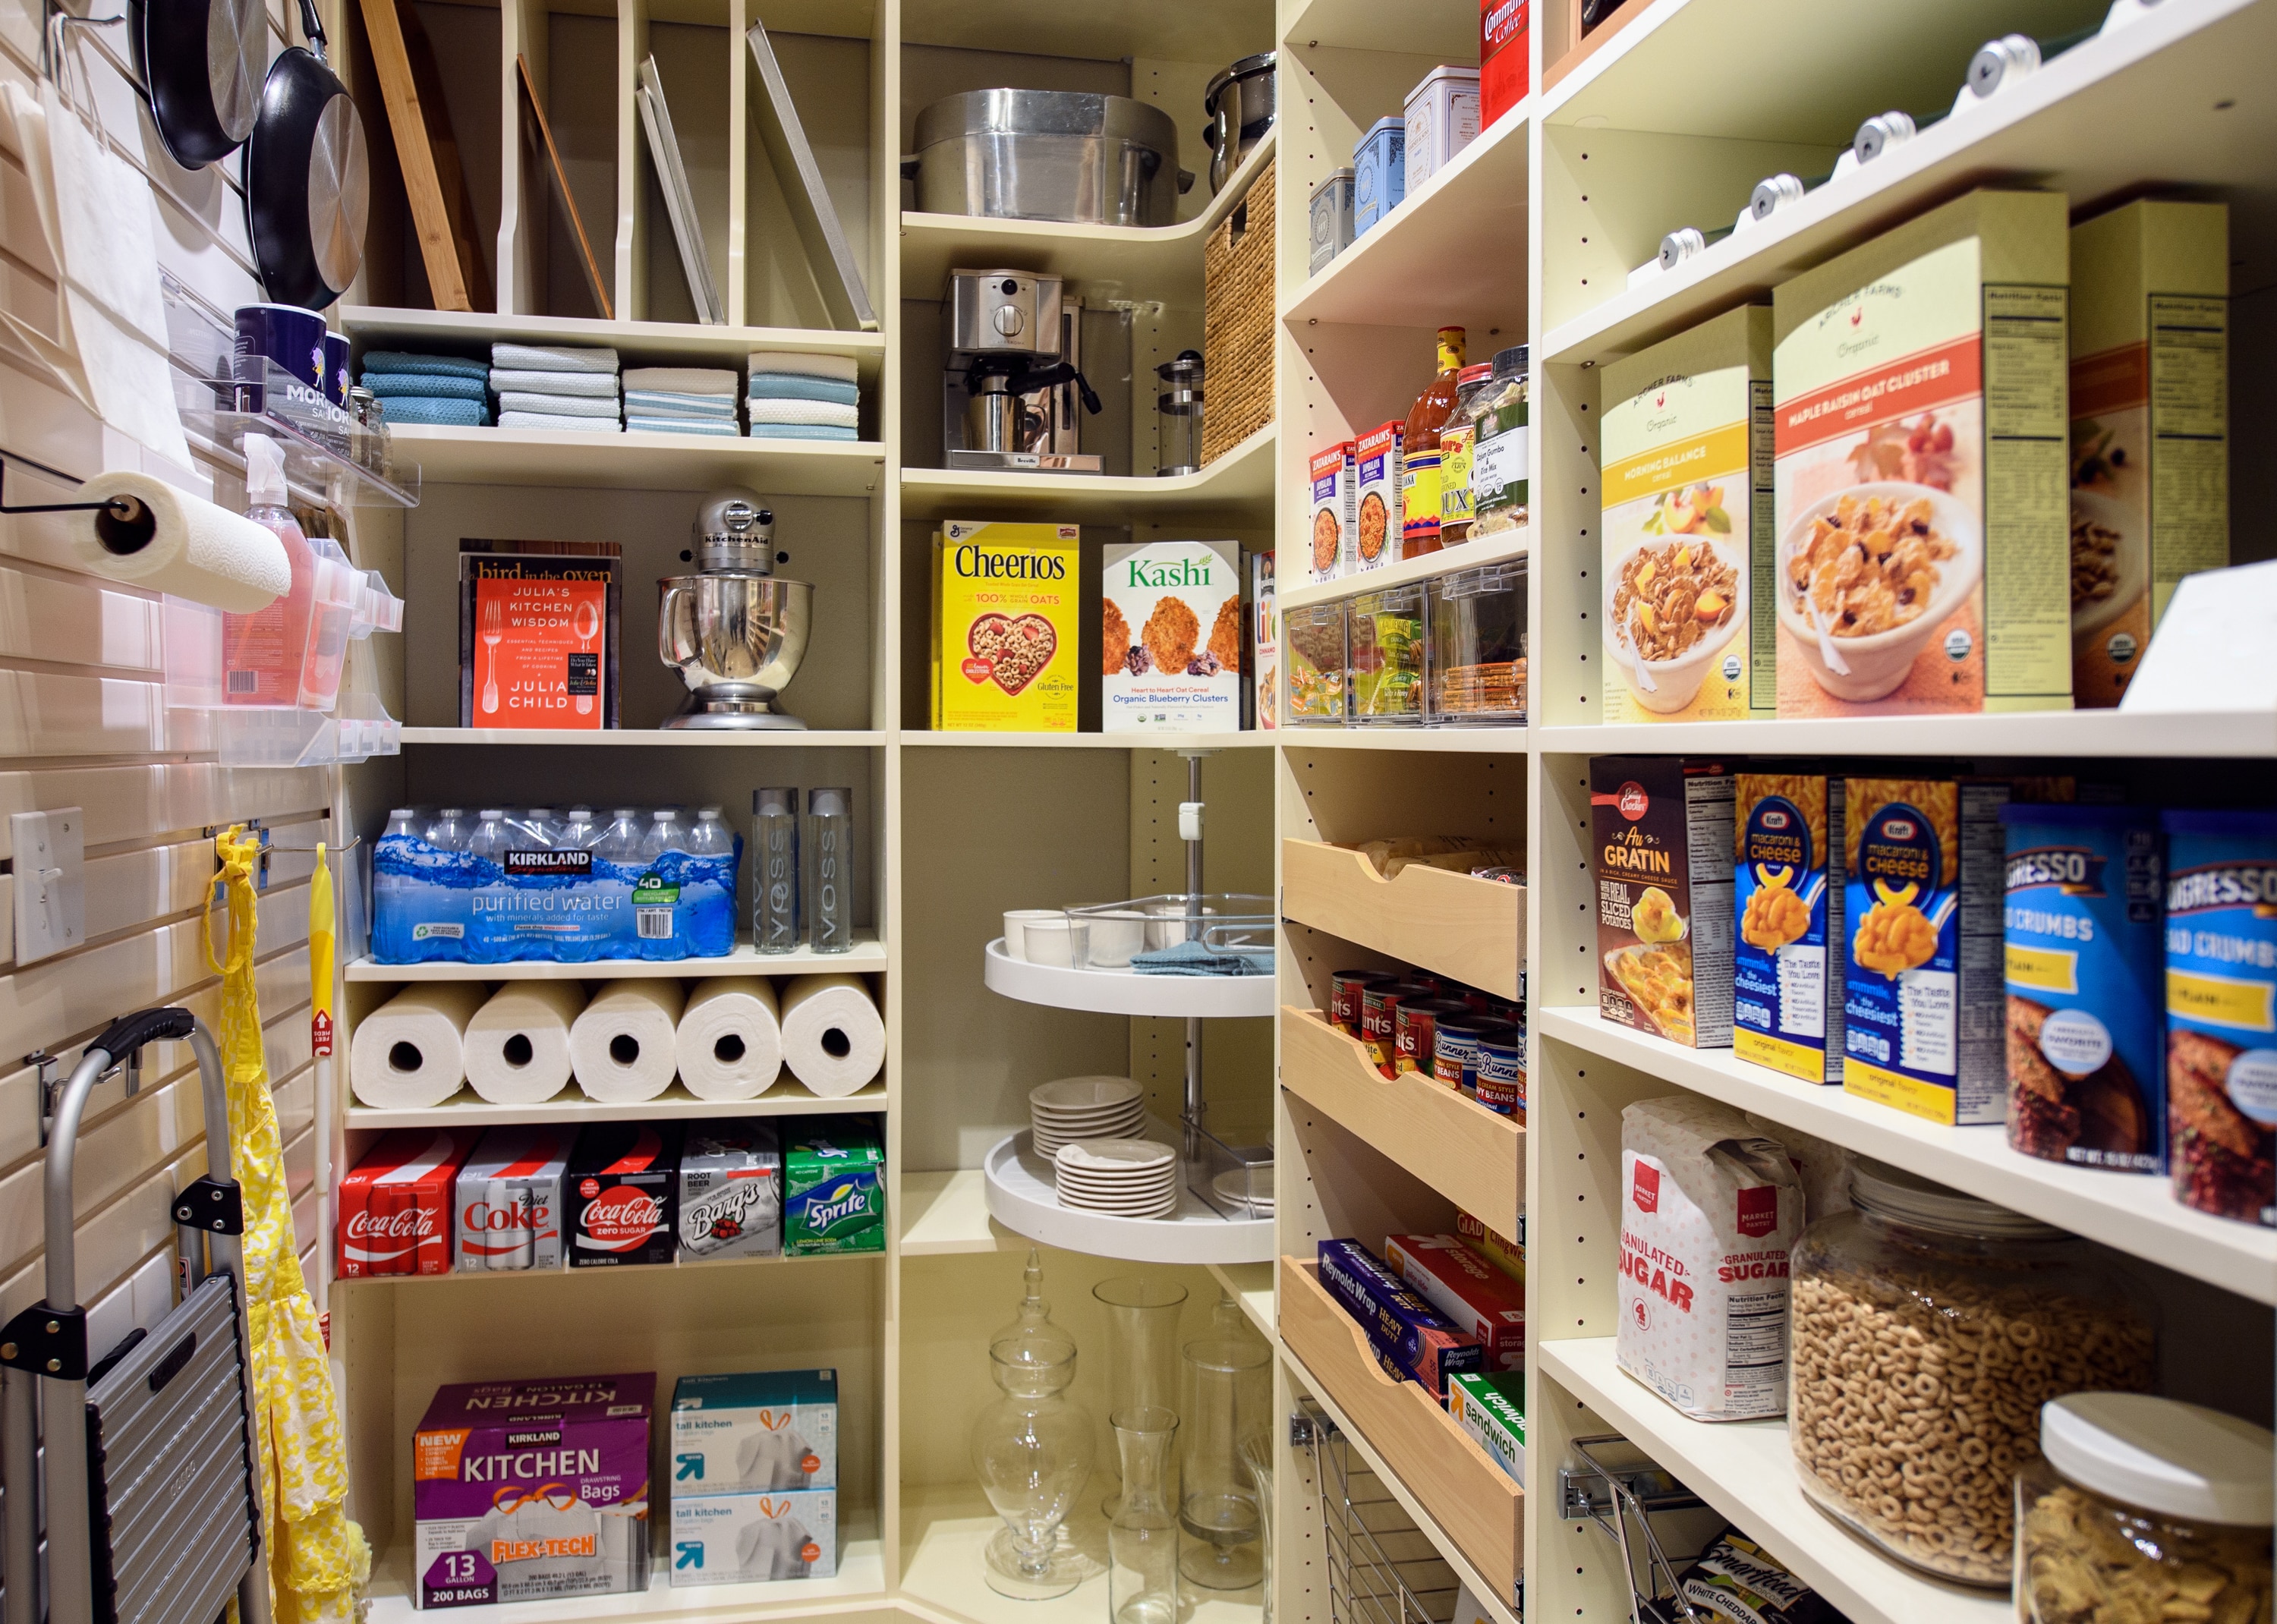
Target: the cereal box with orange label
(1662, 830)
(1170, 642)
(1006, 602)
(1919, 425)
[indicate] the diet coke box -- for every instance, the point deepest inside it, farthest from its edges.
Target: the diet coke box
(530, 1489)
(395, 1204)
(508, 1206)
(620, 1194)
(731, 1190)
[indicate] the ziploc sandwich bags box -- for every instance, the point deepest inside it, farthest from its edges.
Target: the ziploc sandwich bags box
(1788, 963)
(1006, 602)
(528, 1490)
(758, 1429)
(746, 1538)
(1490, 1406)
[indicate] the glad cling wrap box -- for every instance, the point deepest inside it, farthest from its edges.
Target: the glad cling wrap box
(1686, 526)
(1788, 964)
(1920, 420)
(530, 1490)
(1005, 627)
(757, 1429)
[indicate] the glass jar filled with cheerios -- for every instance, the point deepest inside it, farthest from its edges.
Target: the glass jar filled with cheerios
(1929, 1328)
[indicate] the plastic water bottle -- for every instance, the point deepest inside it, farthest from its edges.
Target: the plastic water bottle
(492, 834)
(534, 827)
(403, 822)
(578, 831)
(774, 870)
(830, 869)
(710, 837)
(663, 835)
(448, 833)
(621, 841)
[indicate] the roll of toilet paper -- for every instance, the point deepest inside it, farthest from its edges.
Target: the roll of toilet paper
(410, 1054)
(730, 1039)
(518, 1044)
(621, 1047)
(833, 1037)
(181, 544)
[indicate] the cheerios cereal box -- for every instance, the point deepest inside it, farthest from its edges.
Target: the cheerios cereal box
(2150, 426)
(1170, 643)
(1686, 526)
(1662, 829)
(1788, 963)
(1920, 420)
(1005, 632)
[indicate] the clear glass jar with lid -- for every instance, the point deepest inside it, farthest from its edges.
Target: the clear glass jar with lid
(2144, 1508)
(1500, 448)
(1929, 1328)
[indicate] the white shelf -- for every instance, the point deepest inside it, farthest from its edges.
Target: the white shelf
(651, 738)
(867, 956)
(571, 1108)
(649, 461)
(1444, 30)
(637, 344)
(1744, 1469)
(1501, 548)
(945, 1213)
(2082, 124)
(1161, 262)
(1252, 1285)
(1251, 739)
(1124, 992)
(1236, 488)
(2075, 734)
(1449, 741)
(1453, 253)
(2135, 1213)
(1021, 1197)
(476, 1281)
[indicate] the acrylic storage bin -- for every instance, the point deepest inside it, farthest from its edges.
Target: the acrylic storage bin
(1477, 666)
(1332, 220)
(1385, 638)
(1379, 173)
(1442, 118)
(1313, 665)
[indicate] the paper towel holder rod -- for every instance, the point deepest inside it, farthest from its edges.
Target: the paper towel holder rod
(127, 525)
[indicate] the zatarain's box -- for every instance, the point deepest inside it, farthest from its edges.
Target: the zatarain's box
(1170, 642)
(526, 1491)
(1005, 627)
(771, 1430)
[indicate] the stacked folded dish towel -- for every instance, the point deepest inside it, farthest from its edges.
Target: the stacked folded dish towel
(680, 400)
(556, 386)
(447, 390)
(796, 396)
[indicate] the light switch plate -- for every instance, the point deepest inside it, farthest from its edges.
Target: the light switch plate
(50, 882)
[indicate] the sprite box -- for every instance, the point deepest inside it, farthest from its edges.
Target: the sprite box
(834, 1189)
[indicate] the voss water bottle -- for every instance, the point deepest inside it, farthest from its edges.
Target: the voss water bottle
(774, 870)
(830, 869)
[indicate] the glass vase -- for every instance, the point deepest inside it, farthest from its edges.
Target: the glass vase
(1142, 1539)
(1142, 1349)
(1032, 1450)
(1227, 1400)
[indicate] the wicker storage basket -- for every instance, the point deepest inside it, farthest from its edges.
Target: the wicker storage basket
(1237, 322)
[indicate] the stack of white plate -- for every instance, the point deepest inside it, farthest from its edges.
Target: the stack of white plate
(1247, 1191)
(1130, 1177)
(1075, 1108)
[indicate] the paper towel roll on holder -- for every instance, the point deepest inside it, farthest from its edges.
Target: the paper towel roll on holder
(127, 526)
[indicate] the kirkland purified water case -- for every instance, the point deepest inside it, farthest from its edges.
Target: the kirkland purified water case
(758, 1429)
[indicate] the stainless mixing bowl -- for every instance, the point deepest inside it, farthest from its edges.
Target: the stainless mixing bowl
(737, 640)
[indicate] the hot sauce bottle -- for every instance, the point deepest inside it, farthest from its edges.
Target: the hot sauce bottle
(1419, 527)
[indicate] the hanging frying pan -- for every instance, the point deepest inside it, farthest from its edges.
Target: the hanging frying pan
(202, 60)
(306, 180)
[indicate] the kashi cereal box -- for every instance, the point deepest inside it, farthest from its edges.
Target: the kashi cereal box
(1006, 600)
(1170, 648)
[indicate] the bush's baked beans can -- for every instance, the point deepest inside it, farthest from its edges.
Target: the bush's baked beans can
(1344, 988)
(1379, 1012)
(1411, 1027)
(1455, 1049)
(1502, 1070)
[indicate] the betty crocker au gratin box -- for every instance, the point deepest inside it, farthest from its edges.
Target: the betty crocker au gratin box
(1662, 829)
(1006, 602)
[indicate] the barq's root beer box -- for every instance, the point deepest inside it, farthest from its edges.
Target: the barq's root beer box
(1920, 420)
(537, 634)
(1006, 598)
(1662, 829)
(1787, 965)
(1170, 644)
(1686, 526)
(2150, 426)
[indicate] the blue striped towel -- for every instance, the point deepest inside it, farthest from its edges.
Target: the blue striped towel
(552, 358)
(658, 403)
(597, 384)
(432, 385)
(421, 409)
(683, 425)
(791, 386)
(800, 431)
(400, 360)
(549, 422)
(557, 405)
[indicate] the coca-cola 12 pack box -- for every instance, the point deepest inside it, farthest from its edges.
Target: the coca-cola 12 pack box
(508, 1208)
(620, 1194)
(731, 1190)
(395, 1204)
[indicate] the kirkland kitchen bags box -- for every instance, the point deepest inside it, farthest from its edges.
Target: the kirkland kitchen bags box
(1687, 525)
(526, 1490)
(1662, 829)
(1005, 607)
(1920, 425)
(537, 634)
(1170, 642)
(2150, 426)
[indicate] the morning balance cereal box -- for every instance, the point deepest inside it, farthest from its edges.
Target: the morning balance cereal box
(1170, 644)
(1920, 425)
(1687, 530)
(1787, 965)
(1004, 632)
(1661, 826)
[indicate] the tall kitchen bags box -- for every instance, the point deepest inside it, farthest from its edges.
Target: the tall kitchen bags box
(537, 634)
(755, 1431)
(1170, 644)
(1920, 422)
(530, 1489)
(2150, 426)
(1006, 598)
(1686, 526)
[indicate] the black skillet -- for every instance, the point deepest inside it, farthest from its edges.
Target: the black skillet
(201, 60)
(307, 181)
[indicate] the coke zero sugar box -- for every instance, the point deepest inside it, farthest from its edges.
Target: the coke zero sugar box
(621, 1197)
(742, 1538)
(761, 1430)
(731, 1190)
(834, 1189)
(523, 1490)
(395, 1204)
(508, 1209)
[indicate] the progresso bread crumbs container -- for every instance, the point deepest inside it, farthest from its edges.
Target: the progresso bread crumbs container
(2221, 1010)
(2086, 1051)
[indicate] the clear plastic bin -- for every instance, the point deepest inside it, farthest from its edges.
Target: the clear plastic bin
(1385, 637)
(1313, 665)
(1477, 647)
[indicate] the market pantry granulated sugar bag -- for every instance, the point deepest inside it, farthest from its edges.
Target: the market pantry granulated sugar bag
(1170, 642)
(1687, 525)
(1709, 1209)
(1922, 562)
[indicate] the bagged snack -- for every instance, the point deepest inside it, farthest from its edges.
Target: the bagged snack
(1735, 1581)
(1709, 1209)
(1170, 651)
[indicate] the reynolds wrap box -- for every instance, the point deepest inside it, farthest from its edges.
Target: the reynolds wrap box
(1787, 968)
(745, 1538)
(1411, 1338)
(834, 1189)
(2150, 426)
(528, 1491)
(1170, 642)
(1005, 627)
(761, 1430)
(1686, 526)
(1472, 1293)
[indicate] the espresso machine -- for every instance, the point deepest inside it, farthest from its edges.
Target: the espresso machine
(1014, 392)
(734, 630)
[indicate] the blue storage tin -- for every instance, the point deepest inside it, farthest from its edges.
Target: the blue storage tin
(1379, 173)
